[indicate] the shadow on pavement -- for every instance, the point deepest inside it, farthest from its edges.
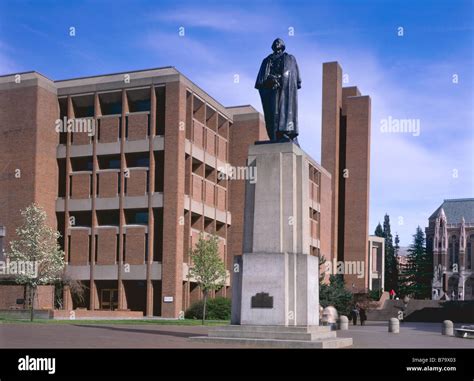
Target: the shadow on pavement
(140, 330)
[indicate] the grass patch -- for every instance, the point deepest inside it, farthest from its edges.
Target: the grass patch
(10, 320)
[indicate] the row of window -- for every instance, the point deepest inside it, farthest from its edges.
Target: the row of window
(111, 103)
(117, 252)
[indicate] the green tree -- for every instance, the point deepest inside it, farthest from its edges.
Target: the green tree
(379, 230)
(391, 266)
(207, 269)
(417, 275)
(397, 244)
(322, 268)
(378, 233)
(335, 294)
(37, 250)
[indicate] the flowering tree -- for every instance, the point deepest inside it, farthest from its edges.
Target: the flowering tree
(207, 268)
(37, 245)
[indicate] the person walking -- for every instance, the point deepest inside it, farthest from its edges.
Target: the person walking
(362, 315)
(354, 313)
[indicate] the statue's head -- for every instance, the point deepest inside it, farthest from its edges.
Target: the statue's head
(278, 45)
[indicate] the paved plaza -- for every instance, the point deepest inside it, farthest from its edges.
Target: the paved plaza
(77, 335)
(412, 335)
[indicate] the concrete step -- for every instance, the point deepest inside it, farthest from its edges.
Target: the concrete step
(426, 311)
(274, 328)
(272, 343)
(272, 335)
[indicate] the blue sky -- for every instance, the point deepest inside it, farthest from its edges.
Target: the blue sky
(408, 77)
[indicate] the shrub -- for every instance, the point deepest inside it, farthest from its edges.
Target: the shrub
(217, 309)
(374, 294)
(335, 294)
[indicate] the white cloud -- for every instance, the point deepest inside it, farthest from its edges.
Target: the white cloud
(222, 86)
(223, 20)
(171, 47)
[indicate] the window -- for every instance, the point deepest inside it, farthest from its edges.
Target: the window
(136, 216)
(114, 164)
(470, 254)
(141, 159)
(108, 217)
(62, 114)
(139, 100)
(111, 103)
(83, 106)
(62, 177)
(141, 218)
(81, 164)
(453, 251)
(80, 219)
(109, 162)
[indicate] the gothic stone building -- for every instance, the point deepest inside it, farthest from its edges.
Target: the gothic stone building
(450, 238)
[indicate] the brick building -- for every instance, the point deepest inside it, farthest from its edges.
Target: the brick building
(144, 140)
(345, 153)
(129, 168)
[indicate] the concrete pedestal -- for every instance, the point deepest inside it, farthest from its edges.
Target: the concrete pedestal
(276, 266)
(287, 281)
(275, 283)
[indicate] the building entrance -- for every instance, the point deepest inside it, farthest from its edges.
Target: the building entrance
(109, 299)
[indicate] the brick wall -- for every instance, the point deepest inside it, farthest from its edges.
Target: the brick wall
(221, 248)
(357, 185)
(108, 184)
(106, 246)
(221, 198)
(210, 142)
(246, 130)
(209, 193)
(79, 138)
(81, 185)
(198, 134)
(28, 142)
(221, 149)
(44, 297)
(109, 130)
(79, 254)
(138, 126)
(331, 109)
(9, 295)
(46, 170)
(136, 182)
(135, 245)
(197, 188)
(173, 198)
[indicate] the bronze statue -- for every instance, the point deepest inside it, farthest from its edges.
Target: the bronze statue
(277, 82)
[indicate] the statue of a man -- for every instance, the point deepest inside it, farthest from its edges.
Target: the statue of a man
(277, 82)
